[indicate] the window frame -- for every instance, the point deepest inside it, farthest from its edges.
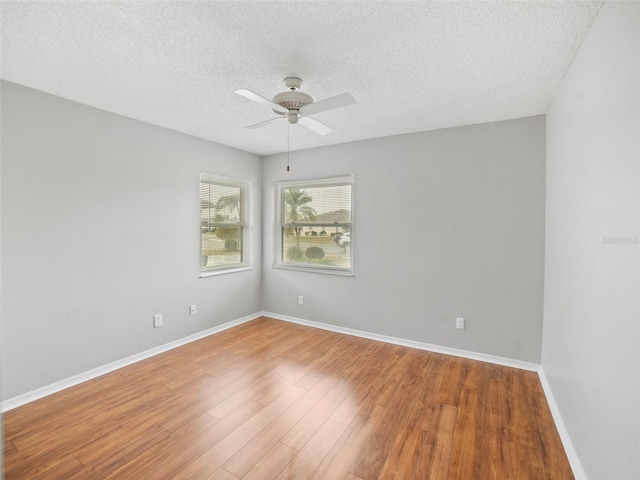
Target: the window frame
(280, 225)
(245, 224)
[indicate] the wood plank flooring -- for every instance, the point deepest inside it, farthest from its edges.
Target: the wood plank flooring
(274, 400)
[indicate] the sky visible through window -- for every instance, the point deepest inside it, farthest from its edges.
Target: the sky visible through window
(222, 224)
(316, 226)
(327, 199)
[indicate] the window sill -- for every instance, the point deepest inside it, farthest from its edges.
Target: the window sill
(326, 271)
(214, 273)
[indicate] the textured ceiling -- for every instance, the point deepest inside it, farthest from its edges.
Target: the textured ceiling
(411, 66)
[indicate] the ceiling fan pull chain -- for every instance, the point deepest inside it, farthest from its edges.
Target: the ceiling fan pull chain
(288, 131)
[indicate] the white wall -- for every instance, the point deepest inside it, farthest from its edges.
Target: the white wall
(591, 343)
(447, 223)
(100, 230)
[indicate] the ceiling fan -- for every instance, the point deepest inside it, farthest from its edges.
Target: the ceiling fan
(296, 106)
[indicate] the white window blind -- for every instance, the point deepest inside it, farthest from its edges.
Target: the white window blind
(315, 225)
(223, 224)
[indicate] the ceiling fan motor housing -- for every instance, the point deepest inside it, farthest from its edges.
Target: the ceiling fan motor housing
(292, 100)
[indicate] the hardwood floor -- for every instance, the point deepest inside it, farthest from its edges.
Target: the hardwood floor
(274, 400)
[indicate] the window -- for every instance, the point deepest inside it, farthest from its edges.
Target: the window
(314, 231)
(224, 228)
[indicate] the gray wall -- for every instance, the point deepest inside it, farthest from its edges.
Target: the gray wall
(1, 369)
(100, 230)
(591, 353)
(447, 223)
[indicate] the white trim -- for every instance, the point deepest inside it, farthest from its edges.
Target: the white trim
(223, 271)
(574, 460)
(572, 455)
(570, 451)
(278, 260)
(33, 395)
(299, 267)
(483, 357)
(245, 222)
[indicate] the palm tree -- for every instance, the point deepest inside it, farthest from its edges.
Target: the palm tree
(297, 209)
(230, 203)
(229, 206)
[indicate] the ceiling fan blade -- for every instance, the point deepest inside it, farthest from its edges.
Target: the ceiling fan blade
(262, 101)
(262, 124)
(315, 126)
(330, 103)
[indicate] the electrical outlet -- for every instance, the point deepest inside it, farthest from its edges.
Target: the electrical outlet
(192, 310)
(300, 300)
(157, 320)
(460, 323)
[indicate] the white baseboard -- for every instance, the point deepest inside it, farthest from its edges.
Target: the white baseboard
(572, 455)
(33, 395)
(483, 357)
(576, 465)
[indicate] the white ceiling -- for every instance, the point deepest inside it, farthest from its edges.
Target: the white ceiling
(411, 66)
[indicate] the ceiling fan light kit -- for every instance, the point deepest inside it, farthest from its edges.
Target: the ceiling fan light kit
(296, 106)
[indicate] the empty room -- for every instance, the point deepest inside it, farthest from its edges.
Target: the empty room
(331, 240)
